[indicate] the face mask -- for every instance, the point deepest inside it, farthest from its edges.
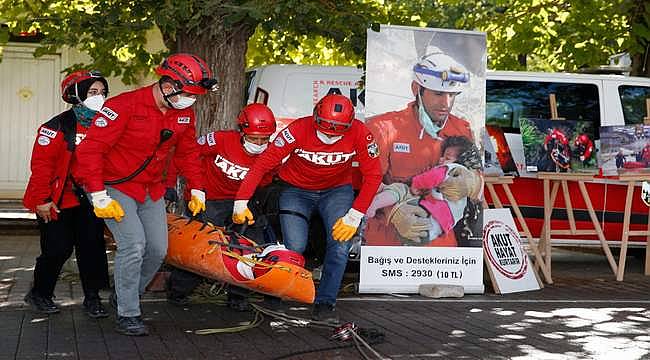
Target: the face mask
(254, 148)
(426, 122)
(329, 140)
(94, 102)
(183, 102)
(84, 115)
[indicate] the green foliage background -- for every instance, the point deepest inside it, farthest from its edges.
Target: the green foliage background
(543, 35)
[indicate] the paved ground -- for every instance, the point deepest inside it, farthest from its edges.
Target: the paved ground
(586, 314)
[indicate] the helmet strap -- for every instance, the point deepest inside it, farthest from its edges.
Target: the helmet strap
(168, 96)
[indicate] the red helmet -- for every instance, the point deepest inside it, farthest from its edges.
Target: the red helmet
(189, 72)
(70, 86)
(256, 119)
(582, 139)
(333, 114)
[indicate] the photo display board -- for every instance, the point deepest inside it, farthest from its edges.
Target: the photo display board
(425, 106)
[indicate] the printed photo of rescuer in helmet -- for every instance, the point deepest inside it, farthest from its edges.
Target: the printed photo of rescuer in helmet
(425, 107)
(558, 145)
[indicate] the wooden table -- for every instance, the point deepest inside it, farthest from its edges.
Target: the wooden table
(557, 179)
(632, 180)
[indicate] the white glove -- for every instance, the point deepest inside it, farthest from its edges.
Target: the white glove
(105, 207)
(241, 213)
(352, 218)
(100, 199)
(346, 226)
(199, 194)
(197, 201)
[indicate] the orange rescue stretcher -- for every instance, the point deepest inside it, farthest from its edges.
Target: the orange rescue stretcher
(210, 251)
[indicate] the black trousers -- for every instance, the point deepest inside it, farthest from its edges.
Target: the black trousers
(218, 212)
(76, 228)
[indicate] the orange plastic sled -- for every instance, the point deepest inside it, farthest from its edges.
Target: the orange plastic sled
(204, 249)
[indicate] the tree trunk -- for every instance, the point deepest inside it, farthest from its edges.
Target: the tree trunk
(641, 64)
(639, 14)
(225, 53)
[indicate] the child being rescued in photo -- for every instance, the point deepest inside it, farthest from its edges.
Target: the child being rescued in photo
(442, 191)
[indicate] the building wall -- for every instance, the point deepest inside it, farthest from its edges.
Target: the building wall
(29, 96)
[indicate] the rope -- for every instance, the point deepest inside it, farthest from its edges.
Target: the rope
(251, 324)
(359, 342)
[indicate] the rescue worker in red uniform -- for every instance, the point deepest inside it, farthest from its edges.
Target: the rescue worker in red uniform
(123, 157)
(556, 145)
(584, 147)
(227, 158)
(410, 141)
(645, 154)
(65, 217)
(317, 176)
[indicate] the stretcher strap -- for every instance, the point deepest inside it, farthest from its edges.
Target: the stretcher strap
(252, 262)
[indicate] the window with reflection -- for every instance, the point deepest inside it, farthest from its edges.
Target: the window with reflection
(508, 101)
(634, 100)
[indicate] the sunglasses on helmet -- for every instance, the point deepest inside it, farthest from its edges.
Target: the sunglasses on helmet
(331, 125)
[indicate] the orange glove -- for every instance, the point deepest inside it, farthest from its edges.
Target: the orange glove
(241, 213)
(197, 202)
(106, 207)
(346, 226)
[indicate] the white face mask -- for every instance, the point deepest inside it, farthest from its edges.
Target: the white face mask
(183, 102)
(95, 102)
(329, 140)
(254, 148)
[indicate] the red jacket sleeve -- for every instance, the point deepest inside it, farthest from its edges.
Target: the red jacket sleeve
(188, 157)
(45, 154)
(383, 140)
(269, 161)
(370, 167)
(95, 145)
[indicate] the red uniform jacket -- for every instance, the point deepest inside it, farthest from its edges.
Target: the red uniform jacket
(226, 164)
(313, 165)
(124, 133)
(50, 164)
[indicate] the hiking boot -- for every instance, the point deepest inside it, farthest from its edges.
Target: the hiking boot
(94, 307)
(238, 302)
(325, 313)
(131, 326)
(41, 304)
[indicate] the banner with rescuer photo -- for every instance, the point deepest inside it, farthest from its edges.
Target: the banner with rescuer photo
(425, 105)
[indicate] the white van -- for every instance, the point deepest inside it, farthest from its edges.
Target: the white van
(292, 90)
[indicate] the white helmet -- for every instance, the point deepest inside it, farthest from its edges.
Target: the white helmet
(439, 72)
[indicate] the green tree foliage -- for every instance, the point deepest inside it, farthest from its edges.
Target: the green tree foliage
(522, 34)
(549, 35)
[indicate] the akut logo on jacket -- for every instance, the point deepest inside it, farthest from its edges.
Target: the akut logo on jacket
(230, 169)
(325, 158)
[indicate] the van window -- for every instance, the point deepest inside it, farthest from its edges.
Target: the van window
(250, 75)
(508, 101)
(633, 100)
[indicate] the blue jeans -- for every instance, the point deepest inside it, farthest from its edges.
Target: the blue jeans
(141, 239)
(296, 207)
